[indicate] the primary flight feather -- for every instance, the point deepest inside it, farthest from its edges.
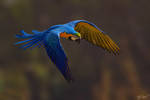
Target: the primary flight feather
(75, 31)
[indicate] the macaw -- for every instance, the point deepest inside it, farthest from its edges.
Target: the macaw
(75, 31)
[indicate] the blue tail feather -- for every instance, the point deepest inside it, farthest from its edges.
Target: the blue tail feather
(24, 41)
(29, 44)
(26, 47)
(34, 39)
(35, 32)
(24, 35)
(37, 45)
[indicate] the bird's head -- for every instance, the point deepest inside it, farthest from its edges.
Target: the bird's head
(70, 34)
(76, 36)
(70, 30)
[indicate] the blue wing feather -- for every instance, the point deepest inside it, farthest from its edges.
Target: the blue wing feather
(57, 55)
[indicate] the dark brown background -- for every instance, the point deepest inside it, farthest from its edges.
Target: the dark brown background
(30, 75)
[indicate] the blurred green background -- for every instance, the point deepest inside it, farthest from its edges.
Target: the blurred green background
(30, 75)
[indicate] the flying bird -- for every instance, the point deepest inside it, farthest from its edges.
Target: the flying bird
(74, 31)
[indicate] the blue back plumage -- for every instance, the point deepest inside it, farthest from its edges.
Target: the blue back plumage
(56, 54)
(35, 39)
(73, 24)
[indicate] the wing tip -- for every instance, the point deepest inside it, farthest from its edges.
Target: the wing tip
(112, 46)
(68, 77)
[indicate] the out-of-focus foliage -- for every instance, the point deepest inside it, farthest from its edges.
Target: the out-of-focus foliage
(30, 75)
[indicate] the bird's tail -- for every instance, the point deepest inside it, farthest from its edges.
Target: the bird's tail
(30, 40)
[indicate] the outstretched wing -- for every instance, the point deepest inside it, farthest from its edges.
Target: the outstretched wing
(57, 55)
(93, 34)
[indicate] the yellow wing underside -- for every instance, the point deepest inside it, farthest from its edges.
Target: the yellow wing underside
(93, 35)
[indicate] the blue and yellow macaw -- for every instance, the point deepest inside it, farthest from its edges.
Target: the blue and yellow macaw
(75, 31)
